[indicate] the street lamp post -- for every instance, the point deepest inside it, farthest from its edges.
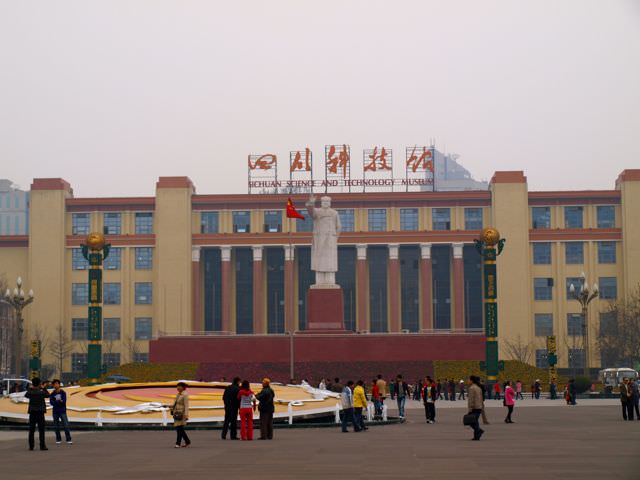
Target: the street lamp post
(18, 300)
(584, 296)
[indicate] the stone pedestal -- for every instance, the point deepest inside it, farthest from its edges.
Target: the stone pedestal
(325, 310)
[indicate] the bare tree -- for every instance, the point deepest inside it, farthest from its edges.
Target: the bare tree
(60, 346)
(131, 347)
(619, 337)
(518, 349)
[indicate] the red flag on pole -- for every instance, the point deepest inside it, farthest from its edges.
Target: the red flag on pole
(292, 212)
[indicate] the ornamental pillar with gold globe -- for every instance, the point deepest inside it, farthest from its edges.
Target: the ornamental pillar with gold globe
(489, 246)
(95, 250)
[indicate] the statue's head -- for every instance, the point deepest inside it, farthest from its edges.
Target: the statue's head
(325, 202)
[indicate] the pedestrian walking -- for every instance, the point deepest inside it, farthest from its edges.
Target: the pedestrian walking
(247, 407)
(37, 408)
(635, 396)
(461, 390)
(180, 414)
(537, 388)
(392, 387)
(475, 404)
(429, 396)
(231, 408)
(519, 390)
(452, 390)
(266, 409)
(496, 391)
(439, 389)
(573, 391)
(626, 398)
(402, 391)
(375, 397)
(553, 388)
(347, 408)
(58, 401)
(509, 400)
(359, 403)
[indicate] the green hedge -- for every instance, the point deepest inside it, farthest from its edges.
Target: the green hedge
(153, 372)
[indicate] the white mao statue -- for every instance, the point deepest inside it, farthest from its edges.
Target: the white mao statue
(324, 249)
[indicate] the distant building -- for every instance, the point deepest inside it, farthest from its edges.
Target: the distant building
(451, 176)
(14, 209)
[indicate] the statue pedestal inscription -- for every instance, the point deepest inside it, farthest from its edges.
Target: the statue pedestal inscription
(325, 310)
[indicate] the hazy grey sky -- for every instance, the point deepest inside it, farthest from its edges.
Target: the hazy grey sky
(110, 95)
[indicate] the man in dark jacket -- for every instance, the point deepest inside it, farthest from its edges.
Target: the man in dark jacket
(402, 392)
(573, 391)
(231, 407)
(266, 408)
(58, 401)
(37, 409)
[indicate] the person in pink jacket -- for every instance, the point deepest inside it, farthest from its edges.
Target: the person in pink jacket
(509, 400)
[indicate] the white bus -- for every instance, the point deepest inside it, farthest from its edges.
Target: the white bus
(612, 377)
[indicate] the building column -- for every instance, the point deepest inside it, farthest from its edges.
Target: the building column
(394, 288)
(426, 286)
(197, 320)
(362, 288)
(226, 288)
(259, 326)
(289, 289)
(458, 287)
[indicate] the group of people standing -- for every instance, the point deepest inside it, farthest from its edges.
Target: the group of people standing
(37, 394)
(630, 398)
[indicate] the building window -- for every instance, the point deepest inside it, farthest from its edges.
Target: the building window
(144, 222)
(577, 285)
(541, 217)
(143, 328)
(241, 221)
(79, 363)
(111, 329)
(143, 293)
(574, 252)
(79, 329)
(542, 359)
(377, 219)
(347, 219)
(606, 252)
(608, 324)
(606, 216)
(305, 225)
(575, 326)
(441, 218)
(576, 358)
(79, 293)
(573, 217)
(543, 324)
(209, 222)
(542, 253)
(144, 258)
(473, 219)
(111, 294)
(273, 221)
(141, 357)
(80, 223)
(112, 262)
(112, 223)
(78, 262)
(543, 288)
(111, 360)
(408, 219)
(608, 288)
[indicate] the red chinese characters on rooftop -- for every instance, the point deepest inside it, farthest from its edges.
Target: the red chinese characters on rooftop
(420, 158)
(337, 160)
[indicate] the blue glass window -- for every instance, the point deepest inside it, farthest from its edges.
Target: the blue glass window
(241, 221)
(473, 219)
(608, 288)
(606, 216)
(608, 323)
(80, 223)
(79, 363)
(573, 217)
(378, 259)
(575, 324)
(79, 293)
(408, 219)
(305, 225)
(543, 288)
(377, 219)
(143, 293)
(111, 329)
(541, 217)
(606, 252)
(111, 294)
(144, 258)
(574, 252)
(347, 219)
(209, 222)
(112, 262)
(576, 358)
(542, 358)
(143, 328)
(78, 262)
(441, 286)
(79, 329)
(543, 324)
(273, 221)
(542, 253)
(141, 357)
(577, 285)
(441, 218)
(111, 360)
(144, 222)
(112, 223)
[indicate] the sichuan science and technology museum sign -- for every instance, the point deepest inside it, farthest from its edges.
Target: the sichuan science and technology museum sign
(377, 170)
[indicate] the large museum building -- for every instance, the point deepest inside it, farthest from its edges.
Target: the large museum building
(184, 264)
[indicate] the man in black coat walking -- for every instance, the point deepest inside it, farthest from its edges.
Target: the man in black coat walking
(266, 407)
(37, 409)
(231, 407)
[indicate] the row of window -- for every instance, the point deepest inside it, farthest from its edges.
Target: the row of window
(574, 217)
(143, 292)
(573, 252)
(111, 328)
(543, 287)
(112, 223)
(5, 199)
(574, 355)
(575, 323)
(109, 360)
(143, 259)
(11, 224)
(377, 220)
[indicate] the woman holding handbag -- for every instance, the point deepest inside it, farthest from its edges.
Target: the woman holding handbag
(509, 400)
(180, 413)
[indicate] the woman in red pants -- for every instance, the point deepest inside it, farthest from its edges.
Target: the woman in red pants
(247, 407)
